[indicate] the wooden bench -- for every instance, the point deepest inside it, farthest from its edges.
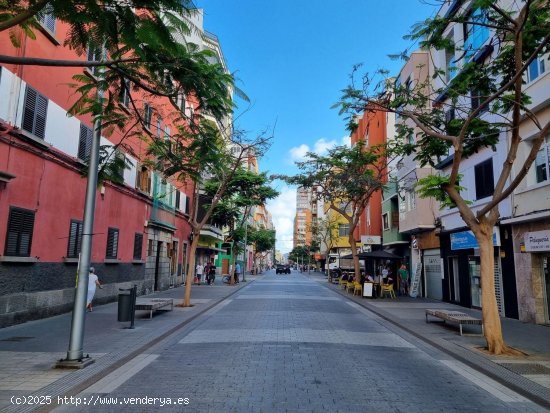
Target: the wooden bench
(455, 317)
(154, 304)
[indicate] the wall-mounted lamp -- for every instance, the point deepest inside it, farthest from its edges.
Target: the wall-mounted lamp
(5, 178)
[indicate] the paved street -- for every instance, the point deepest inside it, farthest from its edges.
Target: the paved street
(288, 343)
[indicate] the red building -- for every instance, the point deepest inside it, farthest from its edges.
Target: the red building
(371, 129)
(140, 228)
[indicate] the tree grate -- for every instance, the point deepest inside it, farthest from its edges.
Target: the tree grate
(526, 368)
(17, 338)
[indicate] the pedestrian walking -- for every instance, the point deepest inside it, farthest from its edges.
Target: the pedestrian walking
(211, 274)
(403, 280)
(200, 270)
(237, 272)
(93, 282)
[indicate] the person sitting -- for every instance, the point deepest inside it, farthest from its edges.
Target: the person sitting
(370, 278)
(345, 277)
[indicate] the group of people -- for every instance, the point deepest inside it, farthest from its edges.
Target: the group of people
(209, 272)
(385, 276)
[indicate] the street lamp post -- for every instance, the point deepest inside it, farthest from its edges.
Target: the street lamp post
(75, 354)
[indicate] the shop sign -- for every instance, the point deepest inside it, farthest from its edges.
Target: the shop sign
(371, 239)
(537, 241)
(466, 240)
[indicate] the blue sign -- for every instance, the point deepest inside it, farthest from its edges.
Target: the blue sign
(466, 240)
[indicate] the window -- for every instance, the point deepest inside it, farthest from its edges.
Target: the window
(19, 234)
(159, 126)
(542, 162)
(94, 54)
(125, 93)
(112, 243)
(475, 34)
(144, 179)
(386, 221)
(178, 195)
(536, 68)
(46, 18)
(477, 99)
(34, 114)
(147, 115)
(343, 230)
(75, 239)
(450, 69)
(138, 243)
(85, 142)
(484, 179)
(411, 200)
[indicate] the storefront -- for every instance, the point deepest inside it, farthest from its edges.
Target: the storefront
(533, 266)
(462, 270)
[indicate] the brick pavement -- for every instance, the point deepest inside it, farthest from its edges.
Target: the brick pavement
(288, 344)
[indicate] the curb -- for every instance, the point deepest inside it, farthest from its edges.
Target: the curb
(71, 386)
(533, 391)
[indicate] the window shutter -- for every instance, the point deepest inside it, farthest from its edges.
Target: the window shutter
(178, 195)
(112, 243)
(138, 243)
(29, 110)
(34, 113)
(85, 142)
(75, 239)
(20, 231)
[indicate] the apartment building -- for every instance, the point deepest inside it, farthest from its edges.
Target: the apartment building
(140, 230)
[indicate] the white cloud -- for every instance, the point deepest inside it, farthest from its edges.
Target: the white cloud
(283, 210)
(298, 153)
(320, 147)
(346, 140)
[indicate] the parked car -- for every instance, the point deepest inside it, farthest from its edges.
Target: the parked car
(282, 269)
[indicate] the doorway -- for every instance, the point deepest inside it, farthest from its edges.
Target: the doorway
(157, 266)
(454, 280)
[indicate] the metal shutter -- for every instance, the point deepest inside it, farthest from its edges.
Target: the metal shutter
(19, 234)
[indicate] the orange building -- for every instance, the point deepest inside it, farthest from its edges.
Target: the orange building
(372, 129)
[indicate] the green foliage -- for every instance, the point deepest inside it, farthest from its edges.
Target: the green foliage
(263, 239)
(433, 186)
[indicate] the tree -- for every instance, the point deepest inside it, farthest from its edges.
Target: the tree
(298, 253)
(489, 101)
(141, 49)
(345, 179)
(324, 231)
(216, 162)
(263, 240)
(246, 190)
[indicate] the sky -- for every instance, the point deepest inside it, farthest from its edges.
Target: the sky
(292, 59)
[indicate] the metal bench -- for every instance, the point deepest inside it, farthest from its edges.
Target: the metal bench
(455, 317)
(154, 304)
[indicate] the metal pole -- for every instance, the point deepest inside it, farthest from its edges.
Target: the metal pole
(75, 351)
(245, 249)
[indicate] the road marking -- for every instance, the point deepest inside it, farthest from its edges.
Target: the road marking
(118, 377)
(285, 297)
(295, 335)
(492, 387)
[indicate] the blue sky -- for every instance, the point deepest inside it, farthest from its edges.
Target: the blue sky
(292, 59)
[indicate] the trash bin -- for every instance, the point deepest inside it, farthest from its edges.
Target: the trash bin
(127, 304)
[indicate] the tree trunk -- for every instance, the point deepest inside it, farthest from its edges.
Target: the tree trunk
(191, 272)
(491, 319)
(356, 268)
